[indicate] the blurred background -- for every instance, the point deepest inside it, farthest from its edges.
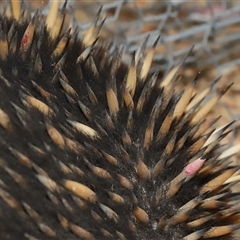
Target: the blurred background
(213, 27)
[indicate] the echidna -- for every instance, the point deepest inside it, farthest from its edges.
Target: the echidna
(91, 148)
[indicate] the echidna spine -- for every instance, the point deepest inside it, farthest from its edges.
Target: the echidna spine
(94, 148)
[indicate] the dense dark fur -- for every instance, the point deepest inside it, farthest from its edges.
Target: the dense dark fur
(19, 78)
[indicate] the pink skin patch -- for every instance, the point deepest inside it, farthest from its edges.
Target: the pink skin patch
(194, 167)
